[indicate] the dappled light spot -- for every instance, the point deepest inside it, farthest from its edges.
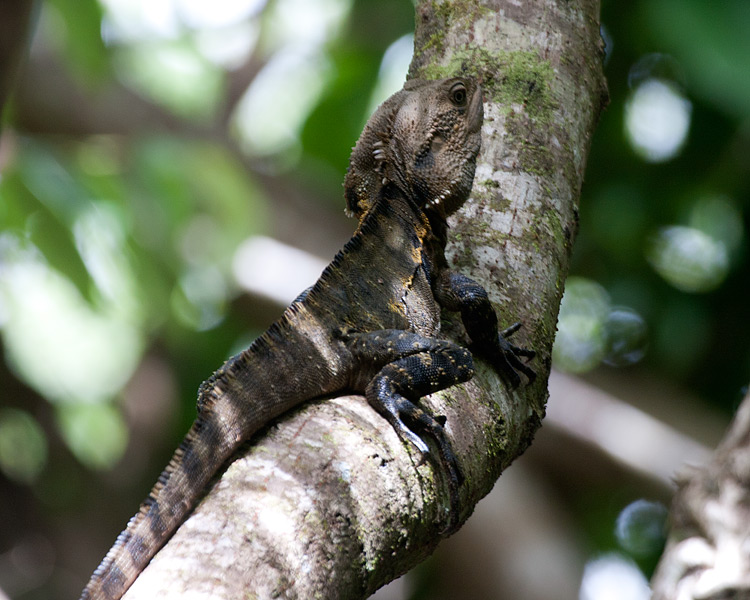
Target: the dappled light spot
(200, 300)
(657, 120)
(689, 259)
(590, 330)
(626, 335)
(613, 577)
(100, 239)
(270, 116)
(173, 74)
(718, 216)
(392, 73)
(64, 348)
(581, 337)
(137, 20)
(131, 21)
(95, 433)
(215, 14)
(641, 528)
(228, 47)
(23, 446)
(223, 31)
(275, 270)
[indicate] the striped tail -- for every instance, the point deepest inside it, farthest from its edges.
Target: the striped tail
(204, 450)
(230, 410)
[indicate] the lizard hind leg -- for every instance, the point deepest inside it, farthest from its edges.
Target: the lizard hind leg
(393, 393)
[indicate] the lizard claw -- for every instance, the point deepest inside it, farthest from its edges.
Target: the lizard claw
(507, 358)
(509, 331)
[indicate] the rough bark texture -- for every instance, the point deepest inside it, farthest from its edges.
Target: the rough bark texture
(707, 554)
(328, 502)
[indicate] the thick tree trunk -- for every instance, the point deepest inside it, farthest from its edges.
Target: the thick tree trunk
(328, 502)
(707, 554)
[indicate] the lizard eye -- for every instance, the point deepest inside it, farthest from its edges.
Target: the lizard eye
(458, 94)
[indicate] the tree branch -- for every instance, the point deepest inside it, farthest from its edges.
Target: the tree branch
(15, 24)
(329, 502)
(707, 549)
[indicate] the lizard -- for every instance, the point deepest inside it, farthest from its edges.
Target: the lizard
(370, 325)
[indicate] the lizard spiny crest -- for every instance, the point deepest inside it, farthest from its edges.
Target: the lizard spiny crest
(424, 140)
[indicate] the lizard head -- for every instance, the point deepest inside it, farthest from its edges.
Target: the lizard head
(424, 140)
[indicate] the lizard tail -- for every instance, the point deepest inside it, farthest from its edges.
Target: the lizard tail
(202, 453)
(230, 410)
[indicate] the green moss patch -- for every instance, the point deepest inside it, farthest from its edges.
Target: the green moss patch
(521, 77)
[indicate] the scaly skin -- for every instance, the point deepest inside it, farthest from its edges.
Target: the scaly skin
(370, 325)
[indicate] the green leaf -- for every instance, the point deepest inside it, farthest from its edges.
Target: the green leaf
(199, 198)
(23, 445)
(174, 74)
(335, 124)
(95, 433)
(85, 51)
(39, 203)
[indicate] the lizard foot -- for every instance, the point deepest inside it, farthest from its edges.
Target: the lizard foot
(414, 376)
(507, 359)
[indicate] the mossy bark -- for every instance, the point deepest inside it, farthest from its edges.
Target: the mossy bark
(329, 502)
(540, 67)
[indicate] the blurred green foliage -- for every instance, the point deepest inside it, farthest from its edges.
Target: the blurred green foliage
(23, 446)
(117, 243)
(669, 239)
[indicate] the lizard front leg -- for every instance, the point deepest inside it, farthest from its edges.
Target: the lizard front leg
(457, 292)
